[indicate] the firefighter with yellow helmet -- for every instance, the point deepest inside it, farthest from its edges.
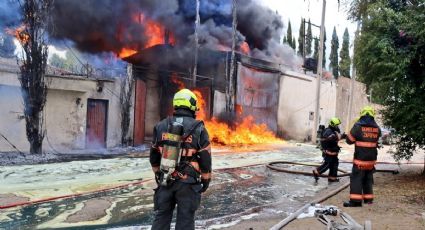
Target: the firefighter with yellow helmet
(329, 145)
(180, 157)
(364, 135)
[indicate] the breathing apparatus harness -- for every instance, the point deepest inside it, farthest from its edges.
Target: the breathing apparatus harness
(174, 142)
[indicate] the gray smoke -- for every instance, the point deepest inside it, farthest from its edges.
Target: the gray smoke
(98, 26)
(9, 14)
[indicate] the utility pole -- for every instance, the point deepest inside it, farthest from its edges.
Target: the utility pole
(319, 75)
(195, 66)
(230, 91)
(353, 80)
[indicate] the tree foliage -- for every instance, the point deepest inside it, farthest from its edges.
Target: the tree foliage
(7, 47)
(308, 39)
(390, 59)
(344, 54)
(324, 49)
(316, 49)
(289, 37)
(333, 57)
(32, 37)
(301, 38)
(69, 63)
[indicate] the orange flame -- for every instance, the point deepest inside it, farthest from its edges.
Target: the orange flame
(19, 33)
(175, 80)
(244, 48)
(245, 133)
(126, 52)
(155, 32)
(200, 115)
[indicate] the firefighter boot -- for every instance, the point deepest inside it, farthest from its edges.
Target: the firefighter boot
(352, 204)
(316, 175)
(331, 180)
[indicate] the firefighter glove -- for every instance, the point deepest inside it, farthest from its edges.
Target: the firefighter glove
(205, 184)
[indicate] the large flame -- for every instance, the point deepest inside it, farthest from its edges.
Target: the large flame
(19, 33)
(245, 132)
(126, 52)
(154, 32)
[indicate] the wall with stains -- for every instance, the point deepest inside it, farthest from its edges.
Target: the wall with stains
(297, 103)
(65, 112)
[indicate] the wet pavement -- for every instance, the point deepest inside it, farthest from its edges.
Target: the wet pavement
(242, 188)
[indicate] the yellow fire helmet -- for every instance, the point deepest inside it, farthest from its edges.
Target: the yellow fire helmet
(185, 99)
(367, 110)
(335, 121)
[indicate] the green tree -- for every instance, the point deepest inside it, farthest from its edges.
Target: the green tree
(324, 49)
(294, 43)
(316, 49)
(308, 39)
(7, 47)
(301, 38)
(56, 61)
(344, 54)
(389, 57)
(285, 40)
(289, 34)
(333, 57)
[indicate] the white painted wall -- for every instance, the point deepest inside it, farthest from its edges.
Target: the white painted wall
(65, 119)
(297, 102)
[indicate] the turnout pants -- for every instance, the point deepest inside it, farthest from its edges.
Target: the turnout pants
(331, 163)
(361, 185)
(185, 196)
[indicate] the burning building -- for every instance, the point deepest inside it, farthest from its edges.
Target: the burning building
(160, 74)
(158, 38)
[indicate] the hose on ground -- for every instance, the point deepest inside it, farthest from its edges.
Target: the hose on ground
(271, 165)
(140, 182)
(294, 215)
(344, 173)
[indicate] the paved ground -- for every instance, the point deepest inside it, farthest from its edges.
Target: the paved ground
(241, 196)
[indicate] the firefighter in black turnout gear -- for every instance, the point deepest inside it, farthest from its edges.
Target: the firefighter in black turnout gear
(364, 135)
(329, 143)
(180, 157)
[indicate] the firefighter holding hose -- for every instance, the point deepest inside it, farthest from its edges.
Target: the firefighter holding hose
(364, 135)
(329, 143)
(180, 157)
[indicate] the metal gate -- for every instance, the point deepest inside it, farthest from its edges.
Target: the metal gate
(139, 112)
(96, 129)
(258, 95)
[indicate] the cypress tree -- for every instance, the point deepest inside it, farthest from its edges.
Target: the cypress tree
(333, 58)
(345, 62)
(301, 38)
(294, 43)
(324, 50)
(308, 39)
(289, 34)
(316, 49)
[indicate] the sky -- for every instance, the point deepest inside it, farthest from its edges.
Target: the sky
(295, 9)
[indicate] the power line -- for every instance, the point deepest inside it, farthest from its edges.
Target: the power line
(11, 144)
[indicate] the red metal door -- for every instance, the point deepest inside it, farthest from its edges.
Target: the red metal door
(97, 111)
(139, 113)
